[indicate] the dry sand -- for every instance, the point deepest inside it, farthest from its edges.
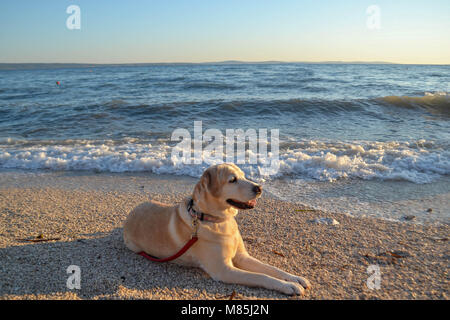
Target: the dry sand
(86, 213)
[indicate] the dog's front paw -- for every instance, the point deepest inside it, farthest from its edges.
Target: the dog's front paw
(292, 288)
(302, 281)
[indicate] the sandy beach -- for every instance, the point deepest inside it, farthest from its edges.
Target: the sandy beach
(84, 214)
(340, 113)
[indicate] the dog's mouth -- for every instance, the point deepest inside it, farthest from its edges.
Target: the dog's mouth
(242, 205)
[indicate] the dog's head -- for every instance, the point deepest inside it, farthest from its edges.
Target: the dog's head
(223, 187)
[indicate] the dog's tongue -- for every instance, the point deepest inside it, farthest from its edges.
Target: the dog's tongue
(252, 202)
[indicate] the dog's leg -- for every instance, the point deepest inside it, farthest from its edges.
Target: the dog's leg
(229, 274)
(244, 261)
(130, 244)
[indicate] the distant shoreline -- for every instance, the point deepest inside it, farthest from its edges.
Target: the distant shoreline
(31, 65)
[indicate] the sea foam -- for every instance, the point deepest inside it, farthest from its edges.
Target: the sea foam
(419, 161)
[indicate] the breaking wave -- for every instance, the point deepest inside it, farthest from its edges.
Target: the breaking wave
(436, 103)
(419, 161)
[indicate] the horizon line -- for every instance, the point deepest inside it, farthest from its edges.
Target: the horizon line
(18, 66)
(220, 62)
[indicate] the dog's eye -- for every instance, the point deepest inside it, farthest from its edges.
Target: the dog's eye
(233, 180)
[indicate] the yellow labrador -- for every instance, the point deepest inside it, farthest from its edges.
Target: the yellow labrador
(161, 230)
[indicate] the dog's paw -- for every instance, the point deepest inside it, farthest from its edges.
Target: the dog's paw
(292, 288)
(302, 281)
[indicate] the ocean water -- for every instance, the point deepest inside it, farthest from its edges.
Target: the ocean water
(355, 138)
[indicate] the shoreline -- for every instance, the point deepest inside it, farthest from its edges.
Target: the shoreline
(278, 189)
(86, 213)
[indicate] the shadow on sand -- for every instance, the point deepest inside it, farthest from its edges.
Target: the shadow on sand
(106, 266)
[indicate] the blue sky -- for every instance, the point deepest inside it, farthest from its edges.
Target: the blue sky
(414, 31)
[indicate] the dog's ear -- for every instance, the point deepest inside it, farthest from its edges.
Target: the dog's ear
(210, 181)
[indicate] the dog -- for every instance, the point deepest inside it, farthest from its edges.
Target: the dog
(161, 230)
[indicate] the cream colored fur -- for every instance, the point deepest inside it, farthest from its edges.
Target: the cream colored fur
(161, 230)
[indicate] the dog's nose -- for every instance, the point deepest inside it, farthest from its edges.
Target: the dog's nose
(257, 189)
